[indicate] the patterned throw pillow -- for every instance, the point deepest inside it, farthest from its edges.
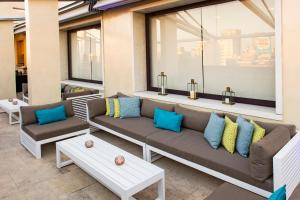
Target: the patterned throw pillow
(229, 135)
(107, 107)
(258, 133)
(110, 108)
(117, 107)
(244, 138)
(130, 107)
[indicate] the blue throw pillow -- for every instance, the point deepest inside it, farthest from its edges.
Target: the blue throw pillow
(129, 107)
(214, 130)
(169, 121)
(46, 116)
(279, 194)
(111, 107)
(158, 111)
(244, 138)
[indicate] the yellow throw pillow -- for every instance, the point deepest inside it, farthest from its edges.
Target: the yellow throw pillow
(117, 107)
(229, 135)
(107, 107)
(258, 133)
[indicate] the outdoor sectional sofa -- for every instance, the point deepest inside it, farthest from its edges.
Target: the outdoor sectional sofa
(33, 135)
(273, 161)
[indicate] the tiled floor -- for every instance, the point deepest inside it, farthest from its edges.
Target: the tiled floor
(24, 177)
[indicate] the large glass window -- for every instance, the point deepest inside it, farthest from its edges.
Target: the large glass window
(229, 44)
(85, 54)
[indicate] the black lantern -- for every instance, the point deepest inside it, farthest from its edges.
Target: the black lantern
(192, 87)
(162, 83)
(228, 96)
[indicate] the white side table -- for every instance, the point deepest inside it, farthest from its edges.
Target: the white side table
(13, 111)
(126, 180)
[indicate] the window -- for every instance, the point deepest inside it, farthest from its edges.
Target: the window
(85, 54)
(229, 44)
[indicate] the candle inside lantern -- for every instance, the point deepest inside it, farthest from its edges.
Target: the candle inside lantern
(227, 100)
(192, 94)
(163, 89)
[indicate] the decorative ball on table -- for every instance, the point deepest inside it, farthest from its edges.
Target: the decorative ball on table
(89, 144)
(15, 102)
(10, 100)
(119, 160)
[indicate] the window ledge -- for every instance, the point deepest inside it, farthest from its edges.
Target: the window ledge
(96, 86)
(238, 108)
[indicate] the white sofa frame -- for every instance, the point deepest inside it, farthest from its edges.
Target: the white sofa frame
(35, 147)
(286, 165)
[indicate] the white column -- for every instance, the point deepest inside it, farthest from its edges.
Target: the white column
(43, 60)
(7, 60)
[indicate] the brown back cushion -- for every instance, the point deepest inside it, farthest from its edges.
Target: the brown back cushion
(269, 126)
(193, 119)
(148, 107)
(28, 112)
(96, 107)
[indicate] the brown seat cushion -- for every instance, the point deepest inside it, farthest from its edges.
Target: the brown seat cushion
(263, 151)
(148, 106)
(28, 112)
(137, 128)
(228, 191)
(296, 193)
(192, 146)
(42, 132)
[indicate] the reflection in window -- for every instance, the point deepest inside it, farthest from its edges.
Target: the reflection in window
(230, 44)
(85, 49)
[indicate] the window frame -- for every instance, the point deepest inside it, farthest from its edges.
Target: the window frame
(69, 32)
(278, 83)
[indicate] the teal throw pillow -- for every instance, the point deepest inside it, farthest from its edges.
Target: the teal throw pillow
(158, 111)
(279, 194)
(244, 138)
(46, 116)
(169, 121)
(214, 130)
(130, 107)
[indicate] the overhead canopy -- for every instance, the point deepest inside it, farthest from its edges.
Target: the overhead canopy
(108, 4)
(12, 18)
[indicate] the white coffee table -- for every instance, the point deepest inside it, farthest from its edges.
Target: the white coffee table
(13, 111)
(126, 180)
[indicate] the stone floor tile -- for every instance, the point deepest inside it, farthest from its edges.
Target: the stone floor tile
(7, 186)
